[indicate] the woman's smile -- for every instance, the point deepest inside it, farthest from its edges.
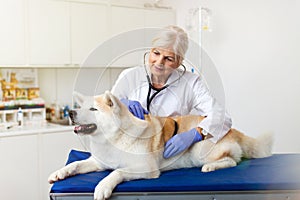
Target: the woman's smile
(162, 62)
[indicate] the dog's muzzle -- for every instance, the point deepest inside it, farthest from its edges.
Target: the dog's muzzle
(85, 128)
(82, 128)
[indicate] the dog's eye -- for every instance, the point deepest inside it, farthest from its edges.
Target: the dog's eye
(93, 109)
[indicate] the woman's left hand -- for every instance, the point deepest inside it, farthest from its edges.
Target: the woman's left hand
(181, 142)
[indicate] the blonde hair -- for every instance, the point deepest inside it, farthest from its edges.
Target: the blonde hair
(174, 38)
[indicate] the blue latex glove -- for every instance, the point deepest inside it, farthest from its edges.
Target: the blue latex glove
(181, 142)
(135, 108)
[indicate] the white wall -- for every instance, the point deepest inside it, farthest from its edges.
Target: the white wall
(255, 47)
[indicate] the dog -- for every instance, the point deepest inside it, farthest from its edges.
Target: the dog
(133, 148)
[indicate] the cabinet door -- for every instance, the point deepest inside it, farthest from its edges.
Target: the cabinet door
(126, 19)
(19, 168)
(12, 34)
(129, 19)
(53, 150)
(88, 29)
(49, 32)
(159, 18)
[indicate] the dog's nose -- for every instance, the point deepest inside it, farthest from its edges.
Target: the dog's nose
(72, 114)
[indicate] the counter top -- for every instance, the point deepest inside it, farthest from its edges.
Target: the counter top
(34, 129)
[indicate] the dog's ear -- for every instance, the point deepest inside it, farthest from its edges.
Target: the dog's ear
(78, 98)
(112, 101)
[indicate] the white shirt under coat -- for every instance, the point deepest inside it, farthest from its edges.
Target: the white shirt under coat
(186, 95)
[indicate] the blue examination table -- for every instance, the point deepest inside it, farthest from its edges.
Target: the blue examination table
(275, 177)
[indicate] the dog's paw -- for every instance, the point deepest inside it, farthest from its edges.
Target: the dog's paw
(102, 192)
(57, 175)
(209, 167)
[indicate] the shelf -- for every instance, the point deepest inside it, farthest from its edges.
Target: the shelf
(9, 117)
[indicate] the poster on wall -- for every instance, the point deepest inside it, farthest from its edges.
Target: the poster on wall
(18, 84)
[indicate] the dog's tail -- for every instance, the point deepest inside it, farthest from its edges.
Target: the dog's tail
(259, 147)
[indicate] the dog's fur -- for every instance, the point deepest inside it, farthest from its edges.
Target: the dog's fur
(133, 148)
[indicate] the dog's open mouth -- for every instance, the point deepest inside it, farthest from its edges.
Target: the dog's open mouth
(85, 128)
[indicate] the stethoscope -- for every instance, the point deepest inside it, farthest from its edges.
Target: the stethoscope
(157, 90)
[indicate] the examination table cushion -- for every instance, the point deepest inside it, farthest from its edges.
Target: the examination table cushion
(278, 172)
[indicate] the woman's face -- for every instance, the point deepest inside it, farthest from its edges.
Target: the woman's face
(162, 62)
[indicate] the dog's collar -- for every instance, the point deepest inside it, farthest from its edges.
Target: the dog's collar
(175, 127)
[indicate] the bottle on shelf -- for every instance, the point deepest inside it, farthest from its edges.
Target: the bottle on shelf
(20, 117)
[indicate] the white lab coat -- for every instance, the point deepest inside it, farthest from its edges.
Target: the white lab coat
(186, 95)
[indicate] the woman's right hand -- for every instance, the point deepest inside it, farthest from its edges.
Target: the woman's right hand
(135, 108)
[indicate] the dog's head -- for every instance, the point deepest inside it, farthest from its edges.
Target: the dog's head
(103, 112)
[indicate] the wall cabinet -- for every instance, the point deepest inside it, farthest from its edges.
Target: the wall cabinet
(159, 18)
(128, 19)
(12, 34)
(89, 24)
(125, 19)
(48, 32)
(62, 33)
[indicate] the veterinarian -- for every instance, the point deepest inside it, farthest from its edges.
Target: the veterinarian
(163, 87)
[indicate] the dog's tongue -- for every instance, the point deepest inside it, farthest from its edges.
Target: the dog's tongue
(85, 128)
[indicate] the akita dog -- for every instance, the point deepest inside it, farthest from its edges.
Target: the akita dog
(133, 148)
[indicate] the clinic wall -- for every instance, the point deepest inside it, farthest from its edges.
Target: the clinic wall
(255, 47)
